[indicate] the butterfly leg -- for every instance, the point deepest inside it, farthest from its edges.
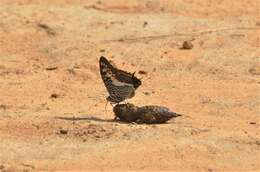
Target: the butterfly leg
(106, 107)
(113, 104)
(109, 99)
(116, 118)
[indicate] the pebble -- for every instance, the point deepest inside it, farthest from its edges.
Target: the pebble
(62, 131)
(187, 45)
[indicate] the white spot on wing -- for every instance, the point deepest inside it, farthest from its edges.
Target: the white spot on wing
(118, 83)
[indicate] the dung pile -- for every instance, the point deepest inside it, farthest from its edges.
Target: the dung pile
(145, 114)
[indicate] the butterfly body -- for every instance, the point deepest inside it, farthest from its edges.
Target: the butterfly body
(120, 84)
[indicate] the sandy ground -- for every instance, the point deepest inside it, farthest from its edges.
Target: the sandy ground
(52, 99)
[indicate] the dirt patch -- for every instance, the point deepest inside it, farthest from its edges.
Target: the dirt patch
(52, 99)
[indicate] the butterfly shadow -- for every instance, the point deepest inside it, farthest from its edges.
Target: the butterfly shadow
(90, 118)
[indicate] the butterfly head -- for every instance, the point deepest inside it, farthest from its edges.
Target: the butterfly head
(136, 82)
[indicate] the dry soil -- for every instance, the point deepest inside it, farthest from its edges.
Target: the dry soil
(52, 99)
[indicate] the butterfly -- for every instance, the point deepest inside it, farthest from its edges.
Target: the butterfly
(121, 85)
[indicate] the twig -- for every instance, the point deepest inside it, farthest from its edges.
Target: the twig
(194, 34)
(28, 165)
(47, 29)
(94, 7)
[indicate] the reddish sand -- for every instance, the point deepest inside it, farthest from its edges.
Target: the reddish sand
(52, 99)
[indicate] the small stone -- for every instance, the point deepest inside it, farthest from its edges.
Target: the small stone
(252, 123)
(187, 45)
(255, 70)
(2, 106)
(145, 24)
(51, 68)
(54, 96)
(142, 72)
(146, 93)
(162, 9)
(63, 131)
(47, 29)
(210, 170)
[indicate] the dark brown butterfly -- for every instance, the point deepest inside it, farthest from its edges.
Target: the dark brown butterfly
(120, 84)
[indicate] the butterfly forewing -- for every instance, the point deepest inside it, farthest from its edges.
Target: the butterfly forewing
(119, 83)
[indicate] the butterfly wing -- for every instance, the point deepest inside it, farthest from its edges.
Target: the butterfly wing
(118, 83)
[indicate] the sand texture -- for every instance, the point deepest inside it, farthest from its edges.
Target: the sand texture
(52, 99)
